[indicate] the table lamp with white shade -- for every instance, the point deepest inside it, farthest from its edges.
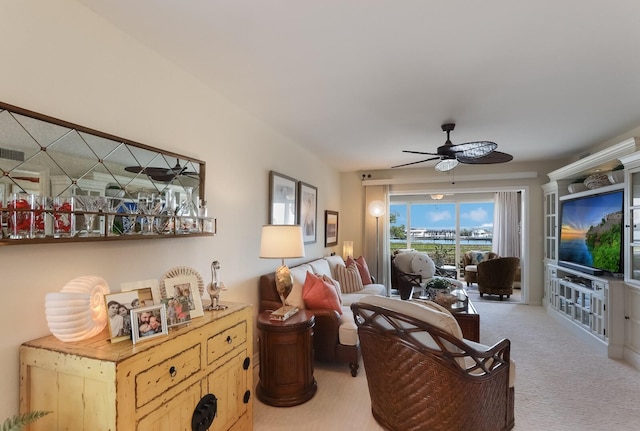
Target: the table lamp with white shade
(282, 242)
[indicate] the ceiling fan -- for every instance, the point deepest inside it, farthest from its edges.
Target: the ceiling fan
(473, 153)
(162, 174)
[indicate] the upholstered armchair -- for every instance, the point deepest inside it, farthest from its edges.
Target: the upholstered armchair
(470, 261)
(423, 375)
(496, 276)
(410, 269)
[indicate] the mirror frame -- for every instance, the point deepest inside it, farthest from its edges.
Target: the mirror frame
(4, 240)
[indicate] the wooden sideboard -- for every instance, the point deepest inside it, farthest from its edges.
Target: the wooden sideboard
(154, 385)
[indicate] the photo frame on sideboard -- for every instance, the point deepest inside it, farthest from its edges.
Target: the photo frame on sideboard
(148, 322)
(330, 228)
(185, 288)
(308, 211)
(283, 195)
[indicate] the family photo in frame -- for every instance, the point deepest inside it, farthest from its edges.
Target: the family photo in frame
(148, 323)
(185, 290)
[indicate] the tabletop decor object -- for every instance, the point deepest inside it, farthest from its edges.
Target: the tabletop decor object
(78, 311)
(282, 242)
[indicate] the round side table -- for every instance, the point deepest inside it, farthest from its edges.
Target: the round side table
(286, 359)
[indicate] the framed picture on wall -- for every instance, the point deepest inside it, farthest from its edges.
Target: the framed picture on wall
(330, 228)
(307, 214)
(282, 199)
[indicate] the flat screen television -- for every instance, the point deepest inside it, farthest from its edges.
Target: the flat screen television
(591, 238)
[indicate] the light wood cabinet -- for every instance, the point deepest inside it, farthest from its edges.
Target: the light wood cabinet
(154, 385)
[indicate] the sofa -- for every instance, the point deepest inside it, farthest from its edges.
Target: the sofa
(335, 335)
(410, 268)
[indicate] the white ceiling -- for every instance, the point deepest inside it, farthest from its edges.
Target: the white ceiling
(357, 81)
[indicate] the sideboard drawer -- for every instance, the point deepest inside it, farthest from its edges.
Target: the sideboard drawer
(225, 341)
(163, 376)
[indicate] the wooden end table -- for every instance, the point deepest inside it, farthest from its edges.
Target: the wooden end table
(286, 359)
(469, 322)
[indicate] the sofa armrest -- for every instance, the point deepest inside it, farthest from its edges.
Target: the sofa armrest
(325, 333)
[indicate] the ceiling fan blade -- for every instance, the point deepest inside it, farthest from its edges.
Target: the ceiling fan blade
(134, 169)
(420, 152)
(415, 163)
(493, 157)
(473, 150)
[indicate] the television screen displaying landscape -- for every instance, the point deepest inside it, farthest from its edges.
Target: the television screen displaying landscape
(591, 233)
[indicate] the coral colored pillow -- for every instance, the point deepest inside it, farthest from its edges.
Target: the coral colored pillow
(363, 269)
(318, 294)
(330, 281)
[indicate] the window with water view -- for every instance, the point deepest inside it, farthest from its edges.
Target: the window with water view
(444, 230)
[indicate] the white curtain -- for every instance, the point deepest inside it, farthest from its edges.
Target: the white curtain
(506, 224)
(376, 243)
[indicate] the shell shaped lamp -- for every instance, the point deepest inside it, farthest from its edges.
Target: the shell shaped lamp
(78, 311)
(282, 242)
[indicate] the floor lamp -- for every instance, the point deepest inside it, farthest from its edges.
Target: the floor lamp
(377, 209)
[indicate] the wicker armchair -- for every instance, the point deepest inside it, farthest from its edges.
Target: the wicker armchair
(423, 375)
(470, 269)
(496, 276)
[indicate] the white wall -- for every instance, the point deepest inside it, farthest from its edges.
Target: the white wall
(61, 60)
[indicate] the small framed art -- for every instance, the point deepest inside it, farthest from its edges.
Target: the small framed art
(282, 199)
(330, 228)
(148, 322)
(308, 201)
(185, 290)
(148, 291)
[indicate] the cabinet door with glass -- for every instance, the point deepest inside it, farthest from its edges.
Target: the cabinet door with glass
(633, 225)
(550, 224)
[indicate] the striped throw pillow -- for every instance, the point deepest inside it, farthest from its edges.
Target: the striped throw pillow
(349, 278)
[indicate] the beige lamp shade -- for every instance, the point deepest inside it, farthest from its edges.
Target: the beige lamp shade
(377, 208)
(347, 249)
(281, 242)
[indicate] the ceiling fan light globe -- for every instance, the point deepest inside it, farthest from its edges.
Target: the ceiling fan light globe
(446, 165)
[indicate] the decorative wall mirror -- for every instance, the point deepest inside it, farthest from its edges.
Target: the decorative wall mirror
(115, 188)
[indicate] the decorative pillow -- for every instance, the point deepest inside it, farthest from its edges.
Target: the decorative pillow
(363, 269)
(477, 257)
(318, 294)
(403, 261)
(349, 278)
(333, 283)
(423, 265)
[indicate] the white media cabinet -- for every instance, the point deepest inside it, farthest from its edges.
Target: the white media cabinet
(591, 304)
(603, 310)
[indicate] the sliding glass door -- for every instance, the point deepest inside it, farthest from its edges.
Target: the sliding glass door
(444, 230)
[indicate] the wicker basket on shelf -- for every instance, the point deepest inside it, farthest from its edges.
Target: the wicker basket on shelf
(596, 181)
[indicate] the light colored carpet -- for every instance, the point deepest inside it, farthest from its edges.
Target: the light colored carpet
(474, 295)
(562, 383)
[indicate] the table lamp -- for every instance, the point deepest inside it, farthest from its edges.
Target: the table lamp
(282, 242)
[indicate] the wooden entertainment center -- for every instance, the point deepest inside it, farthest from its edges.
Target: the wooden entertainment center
(604, 309)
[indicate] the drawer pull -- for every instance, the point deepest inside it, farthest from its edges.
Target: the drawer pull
(246, 363)
(229, 339)
(173, 371)
(247, 397)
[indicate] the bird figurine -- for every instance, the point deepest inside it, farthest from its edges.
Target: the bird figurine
(214, 288)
